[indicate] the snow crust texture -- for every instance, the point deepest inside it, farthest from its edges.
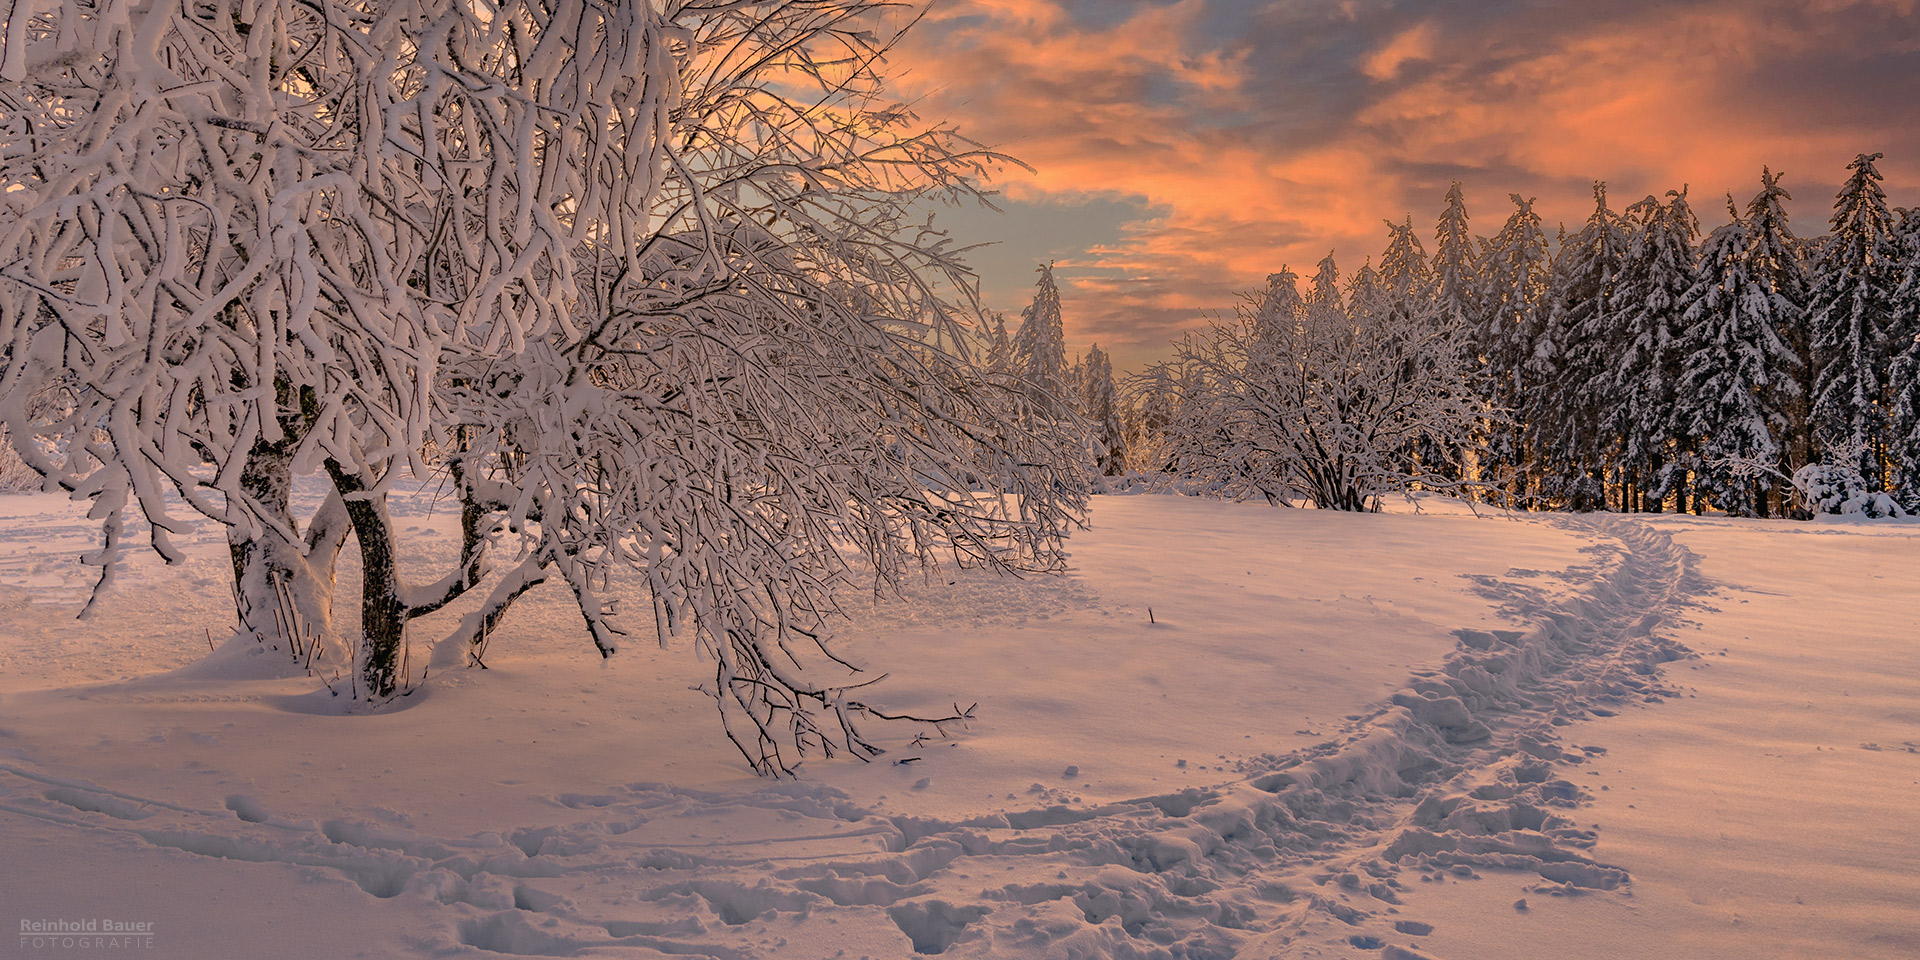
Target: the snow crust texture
(1465, 769)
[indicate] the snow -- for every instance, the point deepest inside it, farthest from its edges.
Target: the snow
(1335, 735)
(1771, 812)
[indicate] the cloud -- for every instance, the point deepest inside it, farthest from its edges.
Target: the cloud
(1414, 44)
(1251, 134)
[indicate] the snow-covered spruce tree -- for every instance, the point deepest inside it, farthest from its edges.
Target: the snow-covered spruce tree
(1277, 314)
(1323, 291)
(1850, 310)
(1735, 372)
(1367, 294)
(1404, 270)
(1280, 307)
(1657, 273)
(1039, 344)
(1456, 264)
(1905, 374)
(1572, 449)
(1101, 407)
(996, 344)
(1410, 297)
(1775, 259)
(1456, 302)
(1330, 412)
(640, 293)
(1515, 275)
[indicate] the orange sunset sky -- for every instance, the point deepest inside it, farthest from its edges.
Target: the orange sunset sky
(1184, 150)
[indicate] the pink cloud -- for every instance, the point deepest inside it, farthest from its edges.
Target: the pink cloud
(1250, 166)
(1413, 44)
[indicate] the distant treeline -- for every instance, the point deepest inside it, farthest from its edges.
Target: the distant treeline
(1635, 365)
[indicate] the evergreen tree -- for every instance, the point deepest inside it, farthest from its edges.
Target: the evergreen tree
(1404, 268)
(1455, 305)
(1735, 371)
(1774, 256)
(1039, 346)
(1279, 308)
(999, 345)
(1098, 405)
(1572, 449)
(1456, 264)
(1656, 275)
(1367, 294)
(1515, 277)
(1514, 281)
(1324, 295)
(1905, 446)
(1410, 288)
(1850, 312)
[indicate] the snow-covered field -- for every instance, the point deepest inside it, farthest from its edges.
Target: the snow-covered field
(1408, 735)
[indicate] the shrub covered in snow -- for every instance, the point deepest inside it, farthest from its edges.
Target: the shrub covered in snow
(1839, 489)
(1303, 399)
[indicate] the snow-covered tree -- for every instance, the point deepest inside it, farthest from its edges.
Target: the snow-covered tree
(1456, 264)
(1840, 490)
(1735, 370)
(1280, 306)
(1456, 298)
(1775, 258)
(1147, 407)
(1367, 293)
(1411, 295)
(1573, 450)
(1850, 311)
(1100, 406)
(1834, 488)
(1905, 371)
(1657, 273)
(1039, 345)
(613, 269)
(1404, 269)
(1323, 291)
(1515, 274)
(996, 344)
(1330, 412)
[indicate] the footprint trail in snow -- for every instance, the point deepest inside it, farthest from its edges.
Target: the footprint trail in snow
(1461, 771)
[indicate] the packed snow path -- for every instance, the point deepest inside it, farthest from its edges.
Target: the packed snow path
(1464, 770)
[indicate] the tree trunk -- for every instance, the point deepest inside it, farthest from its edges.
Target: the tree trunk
(284, 580)
(283, 588)
(383, 611)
